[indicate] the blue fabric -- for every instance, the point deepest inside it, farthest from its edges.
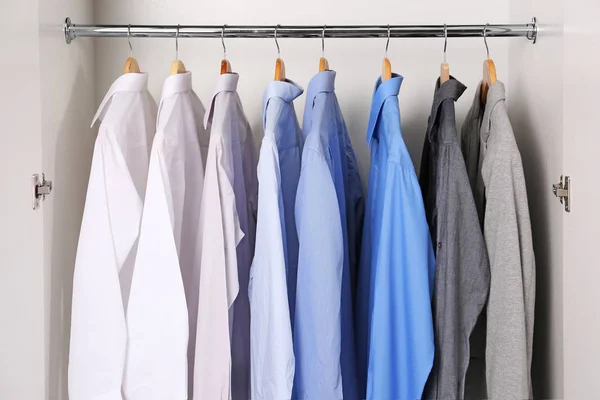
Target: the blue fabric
(395, 345)
(329, 210)
(281, 123)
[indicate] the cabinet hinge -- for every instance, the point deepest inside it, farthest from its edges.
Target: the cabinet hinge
(41, 189)
(562, 190)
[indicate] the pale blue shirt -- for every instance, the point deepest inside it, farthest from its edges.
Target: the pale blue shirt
(329, 202)
(273, 272)
(395, 285)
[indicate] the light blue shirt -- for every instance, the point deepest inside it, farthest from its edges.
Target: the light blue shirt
(395, 285)
(273, 272)
(329, 187)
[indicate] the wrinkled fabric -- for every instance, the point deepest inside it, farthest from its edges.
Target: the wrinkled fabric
(273, 271)
(394, 317)
(324, 326)
(507, 231)
(108, 239)
(163, 304)
(462, 276)
(227, 242)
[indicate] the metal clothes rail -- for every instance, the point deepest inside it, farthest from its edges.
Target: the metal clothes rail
(73, 31)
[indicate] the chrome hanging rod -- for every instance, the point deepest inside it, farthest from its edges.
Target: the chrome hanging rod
(73, 31)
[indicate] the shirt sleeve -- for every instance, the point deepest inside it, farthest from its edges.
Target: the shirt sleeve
(108, 232)
(402, 285)
(511, 303)
(220, 234)
(157, 317)
(317, 328)
(271, 349)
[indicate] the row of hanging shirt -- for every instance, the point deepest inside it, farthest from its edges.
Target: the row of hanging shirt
(194, 281)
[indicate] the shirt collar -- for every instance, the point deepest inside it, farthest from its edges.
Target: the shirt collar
(382, 91)
(496, 93)
(133, 82)
(323, 82)
(451, 89)
(286, 90)
(177, 83)
(225, 83)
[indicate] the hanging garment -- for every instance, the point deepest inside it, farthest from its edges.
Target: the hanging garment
(462, 275)
(328, 202)
(507, 230)
(108, 239)
(272, 275)
(395, 285)
(163, 304)
(227, 235)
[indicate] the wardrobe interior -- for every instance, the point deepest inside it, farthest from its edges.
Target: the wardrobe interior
(75, 77)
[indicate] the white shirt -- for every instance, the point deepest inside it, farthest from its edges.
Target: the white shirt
(107, 242)
(273, 273)
(162, 311)
(227, 236)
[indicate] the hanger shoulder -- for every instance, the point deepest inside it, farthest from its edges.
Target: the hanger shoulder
(177, 67)
(225, 67)
(444, 73)
(489, 78)
(131, 66)
(386, 70)
(279, 70)
(323, 64)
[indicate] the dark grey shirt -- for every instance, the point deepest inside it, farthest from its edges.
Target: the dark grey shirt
(462, 277)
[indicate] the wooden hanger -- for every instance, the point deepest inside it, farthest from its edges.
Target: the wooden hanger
(445, 68)
(131, 64)
(323, 63)
(177, 67)
(386, 68)
(279, 65)
(489, 70)
(225, 65)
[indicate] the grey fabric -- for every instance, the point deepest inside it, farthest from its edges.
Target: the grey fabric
(470, 143)
(462, 276)
(507, 230)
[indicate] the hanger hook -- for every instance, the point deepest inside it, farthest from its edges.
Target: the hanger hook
(129, 40)
(276, 42)
(223, 42)
(487, 49)
(387, 44)
(445, 40)
(323, 41)
(177, 43)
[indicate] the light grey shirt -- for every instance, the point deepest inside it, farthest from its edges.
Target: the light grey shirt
(462, 277)
(501, 189)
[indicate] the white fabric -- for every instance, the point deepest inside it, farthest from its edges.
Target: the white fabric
(163, 303)
(227, 220)
(107, 242)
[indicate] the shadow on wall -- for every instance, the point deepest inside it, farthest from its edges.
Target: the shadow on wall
(73, 150)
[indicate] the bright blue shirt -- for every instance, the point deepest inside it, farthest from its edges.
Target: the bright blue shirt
(394, 319)
(329, 202)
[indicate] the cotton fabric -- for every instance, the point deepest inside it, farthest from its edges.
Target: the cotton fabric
(273, 271)
(395, 285)
(502, 191)
(163, 304)
(108, 239)
(462, 268)
(329, 202)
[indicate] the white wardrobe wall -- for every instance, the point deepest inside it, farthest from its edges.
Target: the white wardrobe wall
(357, 61)
(536, 111)
(68, 103)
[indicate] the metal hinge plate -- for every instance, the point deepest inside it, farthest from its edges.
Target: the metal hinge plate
(562, 190)
(41, 189)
